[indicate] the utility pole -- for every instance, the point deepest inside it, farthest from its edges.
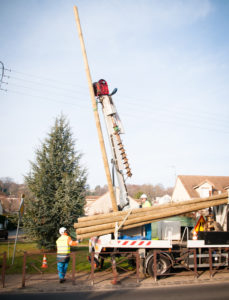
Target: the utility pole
(2, 75)
(96, 114)
(20, 214)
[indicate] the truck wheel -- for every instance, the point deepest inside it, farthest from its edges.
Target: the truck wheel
(163, 265)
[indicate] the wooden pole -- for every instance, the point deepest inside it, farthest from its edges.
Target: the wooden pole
(147, 209)
(96, 114)
(100, 230)
(119, 216)
(110, 224)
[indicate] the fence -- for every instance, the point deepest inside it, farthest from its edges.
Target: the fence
(31, 263)
(181, 260)
(218, 258)
(115, 261)
(3, 266)
(213, 259)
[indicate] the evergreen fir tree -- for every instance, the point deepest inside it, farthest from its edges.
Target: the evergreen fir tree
(57, 187)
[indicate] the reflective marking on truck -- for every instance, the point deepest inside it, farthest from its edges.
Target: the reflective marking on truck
(125, 243)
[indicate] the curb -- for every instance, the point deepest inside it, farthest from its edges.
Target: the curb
(110, 287)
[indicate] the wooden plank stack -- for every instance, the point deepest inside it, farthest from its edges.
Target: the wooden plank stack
(105, 223)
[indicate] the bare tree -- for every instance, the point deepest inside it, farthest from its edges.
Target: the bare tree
(152, 191)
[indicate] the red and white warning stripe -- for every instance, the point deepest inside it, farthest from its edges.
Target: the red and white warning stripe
(139, 244)
(136, 243)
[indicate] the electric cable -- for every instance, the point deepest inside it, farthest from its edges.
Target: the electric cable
(168, 114)
(49, 99)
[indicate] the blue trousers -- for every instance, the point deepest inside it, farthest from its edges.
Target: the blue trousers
(62, 269)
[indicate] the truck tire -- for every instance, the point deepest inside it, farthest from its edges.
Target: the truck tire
(163, 265)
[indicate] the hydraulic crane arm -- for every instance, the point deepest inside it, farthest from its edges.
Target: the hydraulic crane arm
(119, 158)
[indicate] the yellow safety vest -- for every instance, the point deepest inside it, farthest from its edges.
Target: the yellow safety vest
(146, 204)
(62, 245)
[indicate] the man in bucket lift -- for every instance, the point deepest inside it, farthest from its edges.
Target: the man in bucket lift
(63, 252)
(146, 203)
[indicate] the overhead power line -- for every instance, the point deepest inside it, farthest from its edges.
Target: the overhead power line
(46, 85)
(170, 113)
(132, 106)
(46, 78)
(176, 115)
(38, 89)
(49, 99)
(176, 108)
(175, 121)
(132, 102)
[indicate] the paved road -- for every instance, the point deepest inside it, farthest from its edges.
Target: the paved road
(199, 292)
(12, 233)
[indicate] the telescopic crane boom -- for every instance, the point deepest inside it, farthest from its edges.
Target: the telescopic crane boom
(115, 129)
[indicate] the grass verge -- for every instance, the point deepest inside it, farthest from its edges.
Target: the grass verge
(35, 257)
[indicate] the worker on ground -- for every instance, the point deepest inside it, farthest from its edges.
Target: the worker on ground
(146, 203)
(63, 252)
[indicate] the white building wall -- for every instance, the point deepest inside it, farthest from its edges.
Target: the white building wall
(162, 200)
(204, 190)
(179, 192)
(103, 205)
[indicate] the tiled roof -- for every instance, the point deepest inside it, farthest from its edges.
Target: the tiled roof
(190, 182)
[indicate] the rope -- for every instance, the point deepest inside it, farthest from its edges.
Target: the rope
(124, 220)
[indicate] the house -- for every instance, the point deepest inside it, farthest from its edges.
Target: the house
(162, 200)
(89, 200)
(102, 204)
(9, 204)
(188, 187)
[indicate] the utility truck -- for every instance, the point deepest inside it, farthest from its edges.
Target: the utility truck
(123, 230)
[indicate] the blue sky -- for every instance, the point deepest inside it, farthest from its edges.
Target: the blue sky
(168, 59)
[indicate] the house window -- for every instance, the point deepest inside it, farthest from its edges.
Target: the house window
(204, 192)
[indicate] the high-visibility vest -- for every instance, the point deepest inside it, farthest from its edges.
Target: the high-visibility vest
(146, 204)
(63, 246)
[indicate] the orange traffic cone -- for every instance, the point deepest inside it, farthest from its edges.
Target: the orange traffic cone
(44, 262)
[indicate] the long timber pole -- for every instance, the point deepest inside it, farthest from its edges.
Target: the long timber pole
(96, 114)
